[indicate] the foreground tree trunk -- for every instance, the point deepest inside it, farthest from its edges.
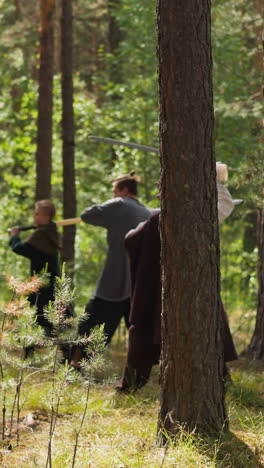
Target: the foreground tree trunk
(69, 189)
(44, 134)
(192, 393)
(255, 349)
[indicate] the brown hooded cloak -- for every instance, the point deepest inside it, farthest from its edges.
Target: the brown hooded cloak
(143, 247)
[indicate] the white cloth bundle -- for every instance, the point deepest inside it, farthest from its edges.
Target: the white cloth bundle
(225, 203)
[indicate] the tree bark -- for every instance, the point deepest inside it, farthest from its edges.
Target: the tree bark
(18, 7)
(69, 189)
(44, 133)
(114, 38)
(192, 393)
(255, 349)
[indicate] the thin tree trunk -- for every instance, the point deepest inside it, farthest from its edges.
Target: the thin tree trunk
(69, 189)
(255, 349)
(192, 364)
(18, 7)
(44, 135)
(114, 37)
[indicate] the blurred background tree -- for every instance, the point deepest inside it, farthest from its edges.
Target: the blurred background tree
(115, 95)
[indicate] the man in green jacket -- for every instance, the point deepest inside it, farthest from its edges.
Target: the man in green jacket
(42, 249)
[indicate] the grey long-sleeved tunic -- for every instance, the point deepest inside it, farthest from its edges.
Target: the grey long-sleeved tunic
(118, 216)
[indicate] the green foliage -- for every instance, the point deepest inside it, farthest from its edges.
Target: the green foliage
(121, 430)
(238, 269)
(56, 311)
(124, 105)
(237, 84)
(18, 330)
(236, 80)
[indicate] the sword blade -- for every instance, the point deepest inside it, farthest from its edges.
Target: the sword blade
(151, 149)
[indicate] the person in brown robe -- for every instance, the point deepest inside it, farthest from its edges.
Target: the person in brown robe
(143, 247)
(144, 344)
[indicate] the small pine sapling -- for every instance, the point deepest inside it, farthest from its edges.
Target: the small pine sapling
(18, 330)
(58, 313)
(95, 346)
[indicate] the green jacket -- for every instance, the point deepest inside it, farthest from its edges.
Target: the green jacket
(41, 248)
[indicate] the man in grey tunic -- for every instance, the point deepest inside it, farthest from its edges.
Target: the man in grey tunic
(111, 300)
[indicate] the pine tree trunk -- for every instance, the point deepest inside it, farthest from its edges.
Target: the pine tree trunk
(18, 7)
(192, 393)
(44, 134)
(255, 349)
(69, 189)
(114, 37)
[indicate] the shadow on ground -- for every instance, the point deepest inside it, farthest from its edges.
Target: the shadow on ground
(235, 453)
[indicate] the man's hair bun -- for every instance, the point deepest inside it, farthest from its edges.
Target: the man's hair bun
(133, 174)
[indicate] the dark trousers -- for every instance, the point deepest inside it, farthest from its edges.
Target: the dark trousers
(40, 300)
(99, 311)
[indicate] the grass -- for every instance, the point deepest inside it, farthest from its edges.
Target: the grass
(120, 431)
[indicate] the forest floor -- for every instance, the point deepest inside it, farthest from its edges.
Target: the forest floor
(119, 431)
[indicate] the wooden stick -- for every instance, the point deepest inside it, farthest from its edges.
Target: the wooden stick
(61, 222)
(68, 222)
